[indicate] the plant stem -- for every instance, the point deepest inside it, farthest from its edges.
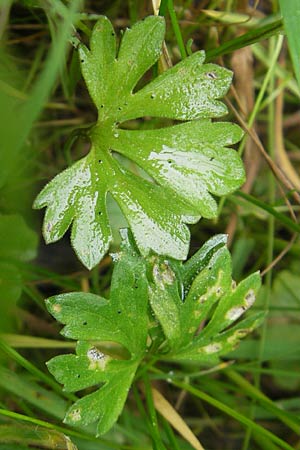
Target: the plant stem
(176, 29)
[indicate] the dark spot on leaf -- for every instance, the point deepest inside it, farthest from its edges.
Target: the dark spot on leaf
(100, 161)
(113, 34)
(119, 311)
(99, 212)
(101, 106)
(82, 60)
(78, 376)
(152, 95)
(120, 109)
(209, 267)
(212, 158)
(169, 161)
(84, 323)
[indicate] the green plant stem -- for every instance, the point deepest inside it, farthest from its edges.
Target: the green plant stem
(249, 38)
(273, 59)
(95, 280)
(176, 29)
(158, 444)
(170, 434)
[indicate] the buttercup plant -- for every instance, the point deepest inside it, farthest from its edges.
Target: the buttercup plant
(159, 307)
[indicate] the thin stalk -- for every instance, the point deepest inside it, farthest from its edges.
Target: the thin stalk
(265, 84)
(176, 29)
(170, 435)
(158, 444)
(95, 280)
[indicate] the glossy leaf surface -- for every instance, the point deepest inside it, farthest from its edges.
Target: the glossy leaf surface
(89, 318)
(200, 326)
(189, 163)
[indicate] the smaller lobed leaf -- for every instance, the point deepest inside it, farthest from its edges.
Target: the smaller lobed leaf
(199, 327)
(90, 367)
(89, 318)
(105, 404)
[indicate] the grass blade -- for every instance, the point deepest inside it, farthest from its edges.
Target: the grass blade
(291, 19)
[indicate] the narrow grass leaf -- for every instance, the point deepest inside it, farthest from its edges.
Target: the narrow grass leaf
(291, 19)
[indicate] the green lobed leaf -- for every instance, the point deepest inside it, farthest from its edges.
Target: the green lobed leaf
(189, 163)
(200, 326)
(90, 367)
(89, 318)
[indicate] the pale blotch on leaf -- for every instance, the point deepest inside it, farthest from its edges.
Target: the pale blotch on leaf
(163, 274)
(56, 308)
(213, 290)
(211, 348)
(98, 360)
(235, 313)
(249, 298)
(75, 415)
(168, 276)
(237, 335)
